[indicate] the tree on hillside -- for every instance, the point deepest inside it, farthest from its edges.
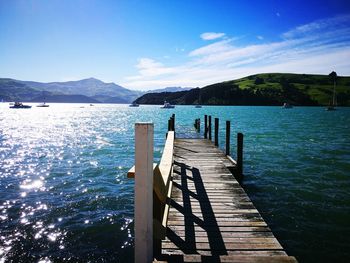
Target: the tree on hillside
(259, 80)
(333, 76)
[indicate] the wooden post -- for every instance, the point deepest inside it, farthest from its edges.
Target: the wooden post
(205, 126)
(173, 116)
(144, 192)
(240, 155)
(216, 132)
(209, 127)
(228, 130)
(169, 125)
(199, 125)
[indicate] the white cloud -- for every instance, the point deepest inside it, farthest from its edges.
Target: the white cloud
(212, 35)
(145, 63)
(150, 68)
(217, 47)
(260, 37)
(318, 47)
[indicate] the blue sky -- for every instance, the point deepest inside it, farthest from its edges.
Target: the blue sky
(154, 44)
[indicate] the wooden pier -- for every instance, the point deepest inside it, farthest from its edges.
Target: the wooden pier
(206, 216)
(211, 218)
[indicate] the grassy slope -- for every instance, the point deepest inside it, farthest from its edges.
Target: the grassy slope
(262, 89)
(318, 87)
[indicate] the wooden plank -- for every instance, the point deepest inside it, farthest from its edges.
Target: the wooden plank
(176, 222)
(234, 239)
(131, 172)
(231, 258)
(215, 228)
(229, 246)
(165, 165)
(250, 253)
(182, 233)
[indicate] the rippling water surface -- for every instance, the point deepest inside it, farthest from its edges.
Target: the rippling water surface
(64, 195)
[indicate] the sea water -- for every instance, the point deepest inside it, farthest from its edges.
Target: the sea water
(65, 197)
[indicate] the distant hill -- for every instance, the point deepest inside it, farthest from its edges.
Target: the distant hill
(261, 89)
(64, 98)
(12, 90)
(169, 89)
(92, 90)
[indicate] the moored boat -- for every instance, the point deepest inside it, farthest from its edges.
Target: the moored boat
(287, 106)
(134, 104)
(20, 105)
(333, 102)
(167, 105)
(330, 108)
(43, 105)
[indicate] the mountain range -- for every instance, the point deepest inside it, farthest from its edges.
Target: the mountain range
(260, 89)
(89, 90)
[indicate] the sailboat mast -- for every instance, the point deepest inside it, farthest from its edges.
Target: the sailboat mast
(334, 92)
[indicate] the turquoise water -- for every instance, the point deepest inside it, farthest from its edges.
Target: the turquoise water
(64, 195)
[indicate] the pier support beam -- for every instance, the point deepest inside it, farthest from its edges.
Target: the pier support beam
(169, 124)
(173, 120)
(205, 126)
(144, 192)
(240, 156)
(216, 132)
(228, 130)
(209, 127)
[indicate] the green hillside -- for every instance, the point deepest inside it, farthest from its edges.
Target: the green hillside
(262, 89)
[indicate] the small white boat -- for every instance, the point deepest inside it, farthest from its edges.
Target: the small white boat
(43, 105)
(287, 106)
(333, 102)
(167, 105)
(134, 104)
(198, 105)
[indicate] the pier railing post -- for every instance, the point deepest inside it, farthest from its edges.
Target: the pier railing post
(205, 126)
(173, 117)
(216, 132)
(169, 124)
(197, 125)
(228, 130)
(240, 155)
(144, 192)
(209, 127)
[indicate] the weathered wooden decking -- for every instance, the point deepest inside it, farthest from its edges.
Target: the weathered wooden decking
(211, 218)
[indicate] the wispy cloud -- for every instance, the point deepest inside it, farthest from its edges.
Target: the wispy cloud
(317, 47)
(260, 37)
(215, 48)
(318, 26)
(212, 35)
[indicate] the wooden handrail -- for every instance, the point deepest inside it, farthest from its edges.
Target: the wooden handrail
(162, 187)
